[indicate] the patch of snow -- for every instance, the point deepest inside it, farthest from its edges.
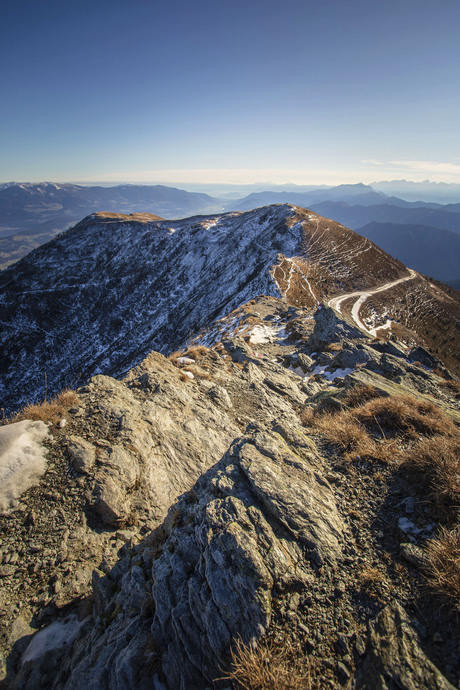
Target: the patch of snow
(189, 374)
(321, 370)
(22, 459)
(185, 360)
(55, 636)
(297, 370)
(260, 335)
(407, 526)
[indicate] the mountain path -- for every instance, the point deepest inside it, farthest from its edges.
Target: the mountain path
(362, 296)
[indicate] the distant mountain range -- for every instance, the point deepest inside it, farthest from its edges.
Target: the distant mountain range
(423, 233)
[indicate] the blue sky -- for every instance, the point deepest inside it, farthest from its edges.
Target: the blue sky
(218, 91)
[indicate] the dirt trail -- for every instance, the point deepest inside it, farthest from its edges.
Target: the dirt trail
(361, 296)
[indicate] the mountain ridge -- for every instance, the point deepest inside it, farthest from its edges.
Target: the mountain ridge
(103, 294)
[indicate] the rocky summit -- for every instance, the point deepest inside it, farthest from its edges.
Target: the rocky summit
(269, 502)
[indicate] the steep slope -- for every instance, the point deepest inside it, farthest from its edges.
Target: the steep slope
(31, 214)
(195, 503)
(102, 295)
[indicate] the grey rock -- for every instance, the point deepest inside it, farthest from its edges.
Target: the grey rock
(220, 396)
(82, 454)
(301, 499)
(284, 386)
(395, 658)
(414, 554)
(329, 328)
(419, 354)
(304, 361)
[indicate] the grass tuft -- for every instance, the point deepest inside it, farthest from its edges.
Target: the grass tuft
(265, 667)
(49, 410)
(436, 462)
(443, 569)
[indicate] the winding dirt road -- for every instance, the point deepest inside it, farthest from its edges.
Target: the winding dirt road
(361, 297)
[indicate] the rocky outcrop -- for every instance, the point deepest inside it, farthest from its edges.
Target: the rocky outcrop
(395, 658)
(179, 514)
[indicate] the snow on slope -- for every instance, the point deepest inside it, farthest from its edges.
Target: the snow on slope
(22, 459)
(102, 295)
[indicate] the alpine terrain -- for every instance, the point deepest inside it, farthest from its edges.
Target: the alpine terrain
(229, 459)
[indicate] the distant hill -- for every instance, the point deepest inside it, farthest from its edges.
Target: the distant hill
(355, 216)
(432, 251)
(31, 214)
(440, 192)
(354, 193)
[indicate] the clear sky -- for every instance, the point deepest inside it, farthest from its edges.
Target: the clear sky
(302, 91)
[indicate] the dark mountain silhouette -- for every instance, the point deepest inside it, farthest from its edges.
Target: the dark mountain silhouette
(432, 251)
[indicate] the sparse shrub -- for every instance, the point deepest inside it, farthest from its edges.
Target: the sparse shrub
(48, 410)
(370, 575)
(376, 426)
(349, 435)
(267, 666)
(333, 347)
(405, 415)
(443, 568)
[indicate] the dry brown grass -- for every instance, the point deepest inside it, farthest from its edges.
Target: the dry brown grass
(452, 386)
(435, 462)
(377, 427)
(342, 430)
(174, 356)
(358, 395)
(443, 569)
(197, 372)
(333, 347)
(370, 575)
(268, 666)
(404, 415)
(197, 352)
(419, 438)
(49, 410)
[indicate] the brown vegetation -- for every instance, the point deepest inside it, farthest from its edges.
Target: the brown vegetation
(415, 436)
(436, 462)
(267, 666)
(49, 410)
(443, 569)
(197, 352)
